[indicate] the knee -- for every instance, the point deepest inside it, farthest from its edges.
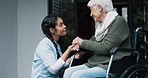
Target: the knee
(67, 70)
(67, 73)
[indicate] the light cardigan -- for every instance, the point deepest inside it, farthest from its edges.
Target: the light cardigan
(118, 36)
(45, 63)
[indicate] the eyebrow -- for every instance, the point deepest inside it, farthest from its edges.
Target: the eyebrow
(60, 22)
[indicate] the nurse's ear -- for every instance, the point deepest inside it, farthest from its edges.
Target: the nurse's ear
(52, 30)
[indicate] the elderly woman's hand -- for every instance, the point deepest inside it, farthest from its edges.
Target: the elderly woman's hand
(77, 41)
(76, 47)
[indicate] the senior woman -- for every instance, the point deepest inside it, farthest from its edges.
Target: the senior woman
(112, 31)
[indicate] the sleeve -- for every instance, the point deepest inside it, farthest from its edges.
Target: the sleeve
(46, 54)
(117, 33)
(92, 38)
(56, 67)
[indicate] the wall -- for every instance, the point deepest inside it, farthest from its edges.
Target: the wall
(30, 15)
(19, 34)
(8, 39)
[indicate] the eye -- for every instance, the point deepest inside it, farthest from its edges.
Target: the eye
(60, 25)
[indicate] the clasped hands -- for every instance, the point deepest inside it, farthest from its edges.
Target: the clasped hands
(76, 47)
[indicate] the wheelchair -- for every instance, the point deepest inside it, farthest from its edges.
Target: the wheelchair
(133, 66)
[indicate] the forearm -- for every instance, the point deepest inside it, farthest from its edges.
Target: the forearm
(56, 66)
(65, 55)
(102, 47)
(60, 63)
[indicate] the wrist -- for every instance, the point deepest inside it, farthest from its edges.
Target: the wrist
(80, 42)
(68, 51)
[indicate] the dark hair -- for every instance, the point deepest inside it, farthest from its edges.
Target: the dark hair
(47, 23)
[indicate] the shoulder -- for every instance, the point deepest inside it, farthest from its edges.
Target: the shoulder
(45, 43)
(119, 17)
(120, 20)
(119, 28)
(119, 23)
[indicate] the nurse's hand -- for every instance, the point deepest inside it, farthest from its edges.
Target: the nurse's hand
(71, 48)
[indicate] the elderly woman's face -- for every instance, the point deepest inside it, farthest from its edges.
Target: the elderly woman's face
(95, 13)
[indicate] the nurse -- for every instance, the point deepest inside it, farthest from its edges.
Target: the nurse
(48, 57)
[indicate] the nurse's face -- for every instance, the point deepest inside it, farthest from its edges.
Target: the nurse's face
(60, 28)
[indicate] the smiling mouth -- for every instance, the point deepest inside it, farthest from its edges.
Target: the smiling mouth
(64, 30)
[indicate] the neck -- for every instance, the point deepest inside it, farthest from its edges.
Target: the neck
(56, 38)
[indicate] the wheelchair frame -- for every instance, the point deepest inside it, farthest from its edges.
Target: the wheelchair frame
(134, 68)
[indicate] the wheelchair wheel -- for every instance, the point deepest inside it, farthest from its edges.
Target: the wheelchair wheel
(136, 71)
(139, 73)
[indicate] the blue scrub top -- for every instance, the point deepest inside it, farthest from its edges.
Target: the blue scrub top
(44, 56)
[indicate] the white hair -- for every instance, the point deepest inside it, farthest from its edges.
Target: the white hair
(106, 4)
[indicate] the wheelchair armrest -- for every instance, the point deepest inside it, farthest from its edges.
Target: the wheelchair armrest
(116, 49)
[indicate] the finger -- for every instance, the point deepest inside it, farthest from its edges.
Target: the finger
(73, 42)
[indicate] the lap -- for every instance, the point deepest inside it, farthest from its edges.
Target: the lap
(90, 73)
(79, 67)
(86, 72)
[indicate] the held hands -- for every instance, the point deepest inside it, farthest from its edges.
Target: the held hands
(74, 47)
(71, 48)
(75, 44)
(77, 41)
